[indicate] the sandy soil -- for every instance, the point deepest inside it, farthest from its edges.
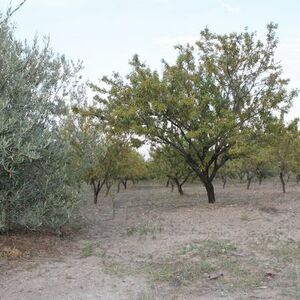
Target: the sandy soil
(159, 245)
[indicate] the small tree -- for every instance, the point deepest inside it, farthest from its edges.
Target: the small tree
(255, 157)
(131, 167)
(168, 164)
(285, 142)
(95, 157)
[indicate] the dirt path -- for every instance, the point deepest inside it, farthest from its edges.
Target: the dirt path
(163, 246)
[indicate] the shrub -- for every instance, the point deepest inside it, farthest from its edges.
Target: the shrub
(34, 84)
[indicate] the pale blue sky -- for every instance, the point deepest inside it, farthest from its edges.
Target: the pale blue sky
(106, 34)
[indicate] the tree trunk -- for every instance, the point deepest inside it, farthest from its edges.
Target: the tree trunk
(124, 182)
(224, 179)
(298, 178)
(260, 178)
(282, 181)
(209, 190)
(168, 182)
(180, 190)
(172, 186)
(249, 179)
(179, 186)
(119, 184)
(96, 193)
(97, 186)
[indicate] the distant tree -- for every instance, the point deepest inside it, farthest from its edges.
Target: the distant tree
(201, 105)
(95, 157)
(285, 141)
(87, 153)
(131, 167)
(256, 157)
(168, 165)
(228, 171)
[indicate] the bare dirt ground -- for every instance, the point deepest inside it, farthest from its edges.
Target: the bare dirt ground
(159, 245)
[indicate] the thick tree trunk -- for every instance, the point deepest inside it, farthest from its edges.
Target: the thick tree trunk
(180, 190)
(210, 192)
(282, 181)
(209, 189)
(298, 178)
(260, 178)
(172, 186)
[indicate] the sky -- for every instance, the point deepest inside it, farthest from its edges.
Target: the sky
(106, 34)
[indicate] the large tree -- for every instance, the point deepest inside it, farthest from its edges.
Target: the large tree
(202, 104)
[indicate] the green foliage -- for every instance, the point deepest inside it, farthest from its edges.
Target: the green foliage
(98, 158)
(255, 158)
(285, 142)
(201, 106)
(132, 166)
(167, 164)
(34, 85)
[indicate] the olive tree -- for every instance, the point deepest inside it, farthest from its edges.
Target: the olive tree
(34, 84)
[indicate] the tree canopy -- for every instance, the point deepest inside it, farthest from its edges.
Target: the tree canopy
(223, 87)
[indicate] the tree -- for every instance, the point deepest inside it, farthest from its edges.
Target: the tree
(35, 85)
(131, 167)
(95, 156)
(201, 105)
(168, 164)
(285, 142)
(255, 157)
(98, 158)
(229, 170)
